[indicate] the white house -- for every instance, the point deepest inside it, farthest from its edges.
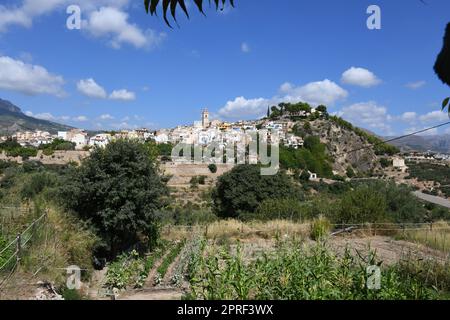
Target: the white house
(100, 140)
(161, 137)
(399, 163)
(80, 140)
(62, 135)
(293, 141)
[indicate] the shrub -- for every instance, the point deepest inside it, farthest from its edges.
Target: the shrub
(320, 228)
(279, 209)
(362, 205)
(243, 188)
(126, 271)
(194, 182)
(213, 168)
(350, 172)
(5, 255)
(36, 183)
(119, 190)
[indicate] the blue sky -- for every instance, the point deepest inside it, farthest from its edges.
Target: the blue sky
(126, 69)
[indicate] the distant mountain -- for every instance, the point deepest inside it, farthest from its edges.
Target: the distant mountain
(12, 119)
(436, 143)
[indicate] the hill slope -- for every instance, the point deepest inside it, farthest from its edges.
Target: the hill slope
(12, 119)
(439, 143)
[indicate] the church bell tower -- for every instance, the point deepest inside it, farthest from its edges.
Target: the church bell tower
(205, 119)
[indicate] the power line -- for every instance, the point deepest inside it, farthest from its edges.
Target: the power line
(398, 138)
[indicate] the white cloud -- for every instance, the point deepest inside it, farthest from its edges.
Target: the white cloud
(320, 92)
(80, 119)
(434, 116)
(241, 108)
(24, 14)
(368, 115)
(286, 87)
(415, 85)
(245, 48)
(408, 117)
(360, 77)
(113, 24)
(106, 117)
(105, 18)
(123, 95)
(28, 79)
(91, 89)
(47, 116)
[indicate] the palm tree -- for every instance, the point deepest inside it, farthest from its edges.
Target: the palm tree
(152, 5)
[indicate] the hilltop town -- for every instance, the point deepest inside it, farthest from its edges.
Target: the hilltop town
(288, 124)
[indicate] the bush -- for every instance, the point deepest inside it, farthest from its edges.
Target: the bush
(362, 205)
(23, 152)
(7, 253)
(242, 189)
(279, 209)
(213, 168)
(119, 190)
(126, 271)
(37, 183)
(350, 172)
(320, 228)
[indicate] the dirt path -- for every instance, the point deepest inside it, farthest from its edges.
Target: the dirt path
(154, 294)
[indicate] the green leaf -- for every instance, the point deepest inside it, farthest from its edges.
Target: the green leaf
(153, 6)
(445, 103)
(166, 4)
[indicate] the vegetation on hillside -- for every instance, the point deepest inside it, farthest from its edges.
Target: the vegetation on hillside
(431, 172)
(57, 145)
(380, 147)
(13, 149)
(312, 157)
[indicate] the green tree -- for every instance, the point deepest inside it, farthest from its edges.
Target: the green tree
(212, 167)
(119, 190)
(350, 172)
(322, 108)
(362, 205)
(242, 189)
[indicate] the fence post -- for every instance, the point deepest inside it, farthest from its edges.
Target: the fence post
(19, 247)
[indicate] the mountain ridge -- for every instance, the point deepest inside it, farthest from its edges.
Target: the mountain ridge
(12, 120)
(433, 143)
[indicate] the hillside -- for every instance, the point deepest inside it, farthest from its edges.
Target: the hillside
(341, 144)
(12, 119)
(435, 143)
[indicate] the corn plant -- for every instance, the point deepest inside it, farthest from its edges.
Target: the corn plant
(299, 272)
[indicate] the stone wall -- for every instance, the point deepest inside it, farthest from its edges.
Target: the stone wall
(58, 157)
